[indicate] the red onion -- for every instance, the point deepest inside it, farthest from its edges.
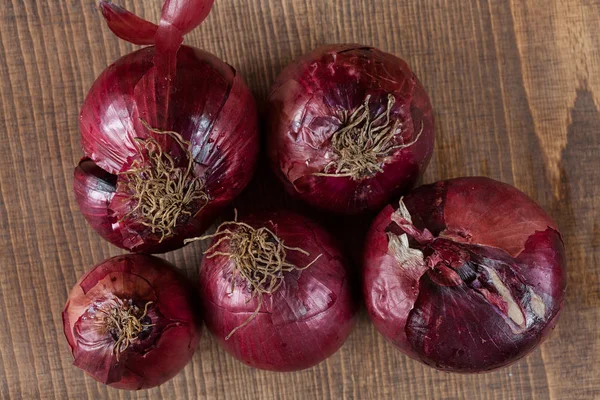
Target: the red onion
(275, 292)
(467, 275)
(169, 132)
(131, 322)
(350, 126)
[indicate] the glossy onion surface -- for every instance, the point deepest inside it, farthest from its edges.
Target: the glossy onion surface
(303, 322)
(330, 90)
(466, 275)
(154, 292)
(167, 104)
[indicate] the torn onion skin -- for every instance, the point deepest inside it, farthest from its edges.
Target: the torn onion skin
(303, 322)
(169, 132)
(162, 302)
(319, 144)
(466, 275)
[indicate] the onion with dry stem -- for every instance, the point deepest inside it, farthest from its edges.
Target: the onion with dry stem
(275, 291)
(131, 322)
(349, 127)
(169, 132)
(465, 275)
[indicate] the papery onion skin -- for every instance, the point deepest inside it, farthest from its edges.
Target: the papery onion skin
(196, 96)
(306, 102)
(184, 15)
(162, 350)
(490, 287)
(305, 321)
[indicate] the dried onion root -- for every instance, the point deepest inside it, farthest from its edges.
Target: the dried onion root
(163, 191)
(259, 257)
(364, 142)
(124, 321)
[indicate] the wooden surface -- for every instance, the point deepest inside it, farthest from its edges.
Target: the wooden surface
(515, 87)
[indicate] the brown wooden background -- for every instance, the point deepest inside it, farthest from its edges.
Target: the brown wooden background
(515, 87)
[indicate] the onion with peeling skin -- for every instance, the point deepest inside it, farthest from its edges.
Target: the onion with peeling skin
(349, 127)
(131, 322)
(466, 275)
(276, 293)
(170, 135)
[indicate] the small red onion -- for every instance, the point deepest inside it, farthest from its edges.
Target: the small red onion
(350, 127)
(275, 292)
(467, 275)
(131, 322)
(169, 132)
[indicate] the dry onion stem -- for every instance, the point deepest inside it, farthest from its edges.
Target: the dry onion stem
(125, 322)
(259, 257)
(362, 143)
(163, 191)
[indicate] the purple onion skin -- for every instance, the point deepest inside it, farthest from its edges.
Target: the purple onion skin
(210, 107)
(162, 351)
(305, 106)
(446, 307)
(305, 321)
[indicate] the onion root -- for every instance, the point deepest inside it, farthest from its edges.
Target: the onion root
(259, 257)
(124, 321)
(164, 192)
(362, 144)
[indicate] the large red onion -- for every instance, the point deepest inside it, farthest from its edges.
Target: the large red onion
(276, 316)
(169, 132)
(350, 126)
(131, 322)
(467, 275)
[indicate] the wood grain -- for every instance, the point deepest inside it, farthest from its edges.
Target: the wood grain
(515, 88)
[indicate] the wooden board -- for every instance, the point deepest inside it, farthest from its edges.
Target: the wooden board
(515, 88)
